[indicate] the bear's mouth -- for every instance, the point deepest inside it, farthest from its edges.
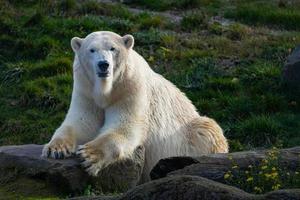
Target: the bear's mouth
(102, 74)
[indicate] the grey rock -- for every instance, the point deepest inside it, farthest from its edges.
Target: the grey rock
(291, 71)
(67, 176)
(164, 166)
(186, 178)
(291, 194)
(99, 197)
(214, 166)
(194, 188)
(185, 188)
(126, 1)
(121, 176)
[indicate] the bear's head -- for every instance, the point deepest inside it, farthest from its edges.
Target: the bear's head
(102, 54)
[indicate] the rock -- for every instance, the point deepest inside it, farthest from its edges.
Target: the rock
(185, 188)
(100, 197)
(291, 194)
(121, 176)
(291, 71)
(214, 166)
(24, 172)
(201, 177)
(126, 1)
(167, 165)
(65, 176)
(193, 187)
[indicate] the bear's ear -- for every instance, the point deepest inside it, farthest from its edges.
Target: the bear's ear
(76, 43)
(128, 41)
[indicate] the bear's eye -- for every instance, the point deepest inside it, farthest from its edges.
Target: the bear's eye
(92, 50)
(112, 49)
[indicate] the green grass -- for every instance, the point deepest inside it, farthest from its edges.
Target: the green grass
(267, 14)
(231, 73)
(21, 188)
(194, 20)
(162, 5)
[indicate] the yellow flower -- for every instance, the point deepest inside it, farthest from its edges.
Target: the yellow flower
(226, 176)
(249, 179)
(257, 189)
(276, 187)
(274, 168)
(264, 167)
(235, 80)
(267, 175)
(151, 59)
(274, 174)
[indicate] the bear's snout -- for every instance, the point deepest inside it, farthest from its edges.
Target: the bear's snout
(103, 67)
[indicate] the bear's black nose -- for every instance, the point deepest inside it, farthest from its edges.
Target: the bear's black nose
(103, 65)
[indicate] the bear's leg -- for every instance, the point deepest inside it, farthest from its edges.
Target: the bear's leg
(104, 150)
(80, 125)
(61, 146)
(100, 152)
(205, 136)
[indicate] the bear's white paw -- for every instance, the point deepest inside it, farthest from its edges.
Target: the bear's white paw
(93, 157)
(59, 148)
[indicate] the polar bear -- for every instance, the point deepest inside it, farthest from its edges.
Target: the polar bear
(119, 103)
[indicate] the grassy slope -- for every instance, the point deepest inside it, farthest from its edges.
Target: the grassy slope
(231, 73)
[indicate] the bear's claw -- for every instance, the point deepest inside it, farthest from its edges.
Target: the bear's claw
(91, 160)
(93, 170)
(57, 151)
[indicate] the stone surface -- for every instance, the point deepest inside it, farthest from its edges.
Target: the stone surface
(185, 188)
(193, 188)
(291, 194)
(23, 167)
(100, 197)
(291, 71)
(121, 176)
(164, 166)
(214, 166)
(66, 176)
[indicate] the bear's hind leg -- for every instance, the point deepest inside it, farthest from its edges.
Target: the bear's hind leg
(206, 136)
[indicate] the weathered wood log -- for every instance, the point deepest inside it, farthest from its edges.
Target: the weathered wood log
(214, 166)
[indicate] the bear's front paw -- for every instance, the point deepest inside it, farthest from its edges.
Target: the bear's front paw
(93, 158)
(59, 148)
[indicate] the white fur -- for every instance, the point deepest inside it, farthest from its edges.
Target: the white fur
(110, 117)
